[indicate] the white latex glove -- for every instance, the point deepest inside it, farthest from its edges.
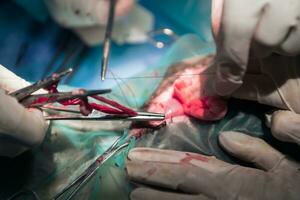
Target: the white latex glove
(20, 129)
(77, 13)
(266, 27)
(11, 82)
(88, 18)
(263, 26)
(192, 176)
(269, 83)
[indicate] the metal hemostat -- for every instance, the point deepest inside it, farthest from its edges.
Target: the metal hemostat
(108, 111)
(44, 83)
(107, 39)
(98, 116)
(71, 190)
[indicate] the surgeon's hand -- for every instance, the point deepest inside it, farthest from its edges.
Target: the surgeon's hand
(264, 26)
(20, 128)
(182, 175)
(270, 74)
(87, 18)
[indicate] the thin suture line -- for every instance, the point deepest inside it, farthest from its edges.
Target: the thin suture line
(156, 77)
(132, 93)
(120, 87)
(130, 90)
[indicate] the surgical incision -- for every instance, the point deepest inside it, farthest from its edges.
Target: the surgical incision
(187, 91)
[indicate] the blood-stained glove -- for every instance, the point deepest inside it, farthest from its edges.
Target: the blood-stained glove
(181, 175)
(265, 27)
(20, 128)
(87, 18)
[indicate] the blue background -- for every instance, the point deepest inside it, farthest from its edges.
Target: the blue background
(32, 45)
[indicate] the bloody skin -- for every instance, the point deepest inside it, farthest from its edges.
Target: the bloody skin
(186, 91)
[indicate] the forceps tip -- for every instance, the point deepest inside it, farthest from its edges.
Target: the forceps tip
(102, 77)
(104, 65)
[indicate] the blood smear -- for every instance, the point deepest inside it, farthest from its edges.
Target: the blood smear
(190, 157)
(85, 107)
(192, 95)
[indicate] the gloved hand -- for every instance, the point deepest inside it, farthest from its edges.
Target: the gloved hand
(11, 82)
(20, 129)
(277, 86)
(198, 177)
(87, 18)
(265, 27)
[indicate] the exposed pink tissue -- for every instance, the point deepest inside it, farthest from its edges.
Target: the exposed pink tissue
(171, 108)
(189, 96)
(186, 91)
(196, 101)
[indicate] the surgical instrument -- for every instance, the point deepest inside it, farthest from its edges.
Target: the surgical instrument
(98, 116)
(92, 110)
(107, 39)
(44, 83)
(91, 170)
(42, 99)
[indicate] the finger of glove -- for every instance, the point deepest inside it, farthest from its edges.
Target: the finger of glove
(181, 171)
(216, 16)
(123, 7)
(276, 22)
(91, 35)
(10, 81)
(70, 13)
(250, 149)
(233, 43)
(25, 126)
(291, 45)
(150, 194)
(285, 126)
(262, 89)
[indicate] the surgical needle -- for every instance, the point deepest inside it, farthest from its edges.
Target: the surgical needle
(107, 38)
